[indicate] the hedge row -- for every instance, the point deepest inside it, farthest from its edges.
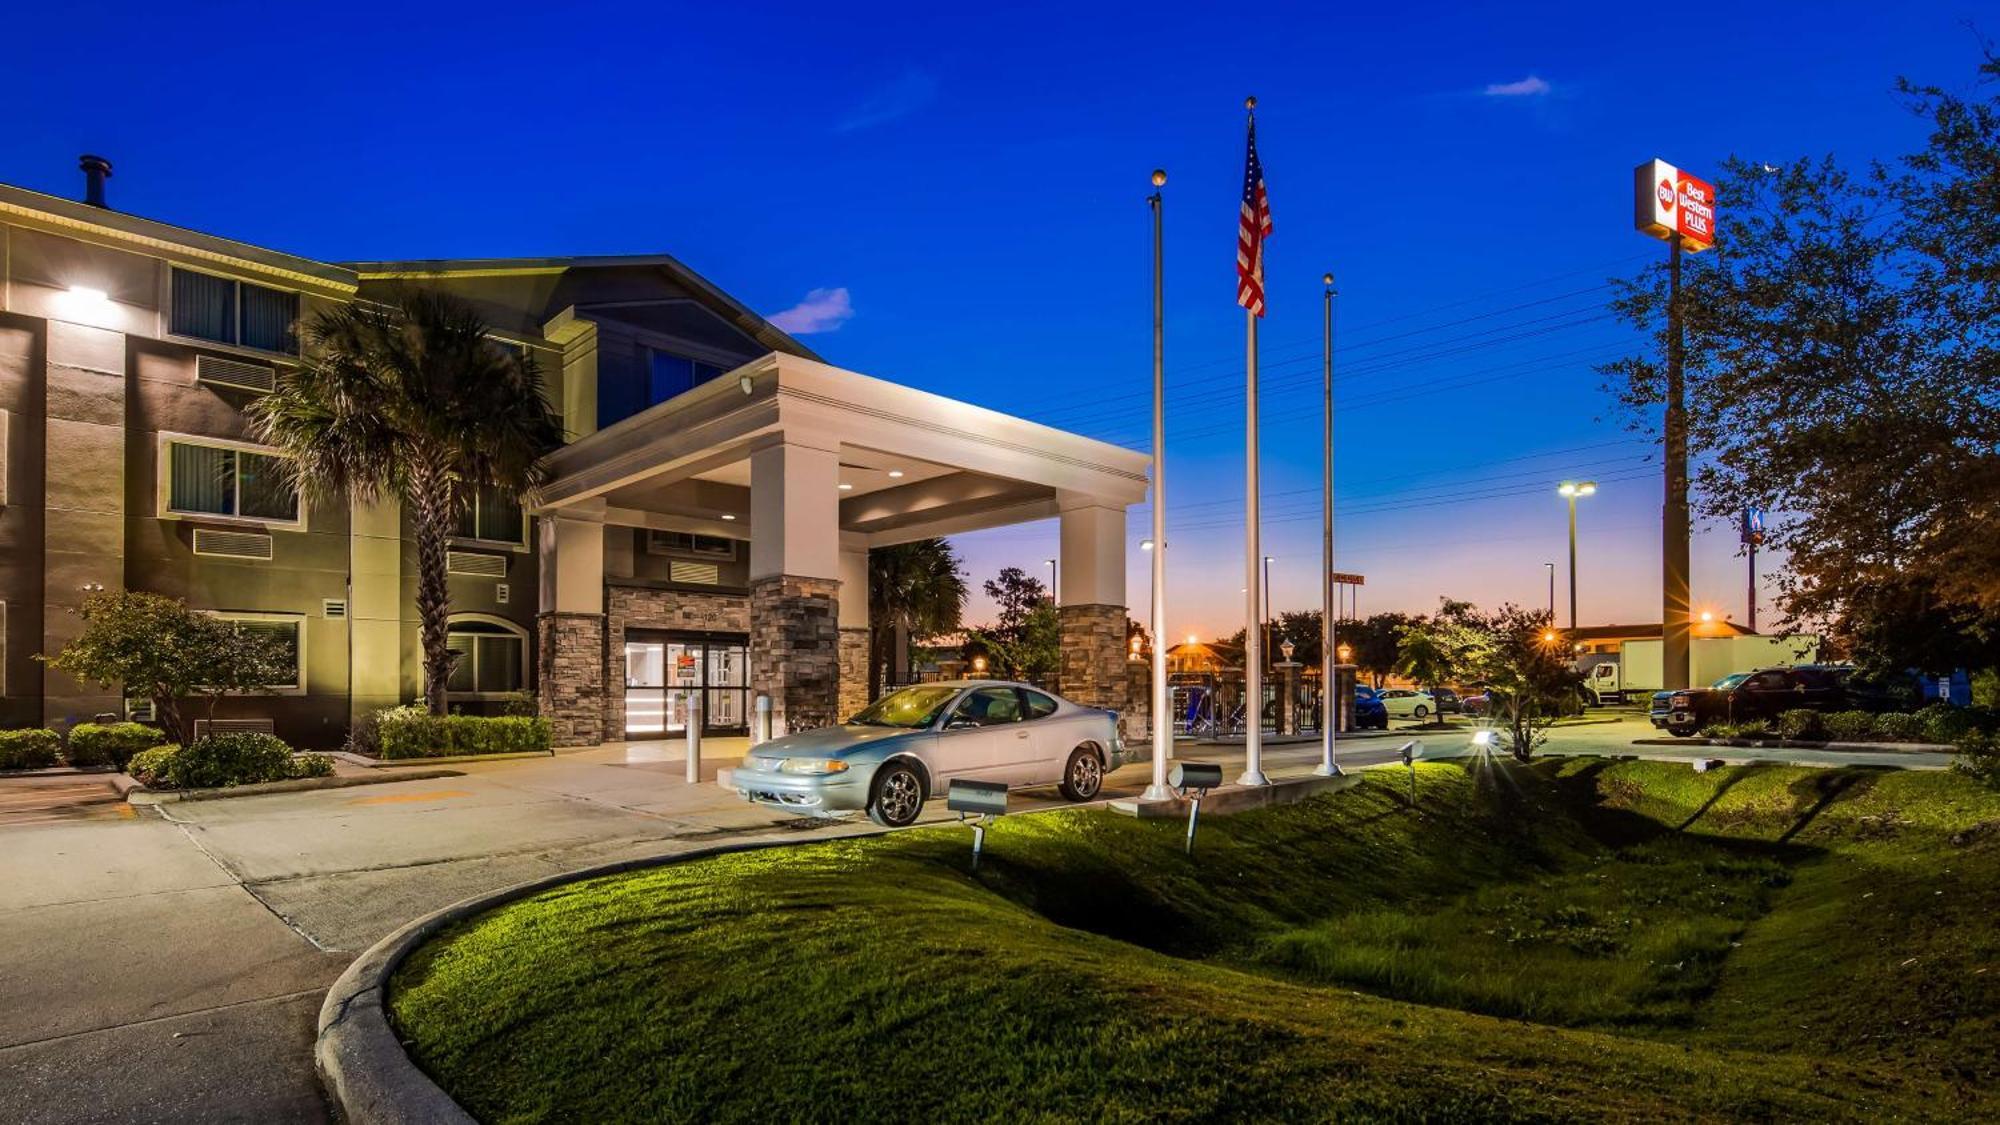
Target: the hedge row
(1937, 723)
(408, 732)
(90, 744)
(220, 761)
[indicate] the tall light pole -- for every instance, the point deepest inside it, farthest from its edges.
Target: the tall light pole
(1329, 615)
(1552, 591)
(1163, 719)
(1573, 490)
(1055, 591)
(1267, 613)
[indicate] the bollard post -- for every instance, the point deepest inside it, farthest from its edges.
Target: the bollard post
(694, 738)
(761, 733)
(1194, 818)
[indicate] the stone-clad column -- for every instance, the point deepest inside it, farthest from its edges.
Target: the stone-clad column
(795, 584)
(571, 642)
(1092, 612)
(84, 533)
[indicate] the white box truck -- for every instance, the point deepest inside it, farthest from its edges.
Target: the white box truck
(1633, 673)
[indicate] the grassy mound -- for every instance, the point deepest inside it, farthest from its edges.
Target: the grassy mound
(1583, 940)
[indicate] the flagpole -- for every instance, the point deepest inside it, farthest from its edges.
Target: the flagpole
(1329, 677)
(1163, 719)
(1253, 643)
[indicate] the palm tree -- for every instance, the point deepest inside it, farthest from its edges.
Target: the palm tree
(915, 586)
(413, 400)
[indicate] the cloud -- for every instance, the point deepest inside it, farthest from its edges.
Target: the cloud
(900, 98)
(1529, 87)
(823, 310)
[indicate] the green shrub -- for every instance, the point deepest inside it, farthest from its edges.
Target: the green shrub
(1805, 726)
(108, 744)
(1898, 726)
(1735, 730)
(408, 732)
(222, 760)
(1979, 758)
(1944, 723)
(311, 765)
(32, 749)
(365, 736)
(1850, 726)
(147, 766)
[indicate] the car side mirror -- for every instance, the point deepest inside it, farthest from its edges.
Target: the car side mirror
(959, 722)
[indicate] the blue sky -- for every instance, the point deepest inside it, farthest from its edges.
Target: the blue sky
(956, 195)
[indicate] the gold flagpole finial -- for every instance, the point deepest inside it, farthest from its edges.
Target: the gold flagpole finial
(1250, 103)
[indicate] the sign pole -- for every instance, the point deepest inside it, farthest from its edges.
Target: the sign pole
(1163, 719)
(1675, 600)
(1329, 617)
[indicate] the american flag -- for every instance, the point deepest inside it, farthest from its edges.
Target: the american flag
(1252, 231)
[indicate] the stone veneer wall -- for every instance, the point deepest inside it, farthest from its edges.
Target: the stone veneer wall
(1135, 718)
(643, 607)
(1093, 655)
(572, 676)
(853, 693)
(795, 650)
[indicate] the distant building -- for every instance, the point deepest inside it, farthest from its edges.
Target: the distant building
(1611, 638)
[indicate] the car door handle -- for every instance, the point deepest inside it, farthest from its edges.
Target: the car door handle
(1020, 734)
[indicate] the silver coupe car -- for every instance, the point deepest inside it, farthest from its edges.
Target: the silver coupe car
(910, 745)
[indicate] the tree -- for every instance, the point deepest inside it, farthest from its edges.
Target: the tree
(1374, 643)
(1025, 643)
(418, 403)
(155, 645)
(1843, 369)
(1301, 627)
(915, 586)
(1527, 670)
(1442, 649)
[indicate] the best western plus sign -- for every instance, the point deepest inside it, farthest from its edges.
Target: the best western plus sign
(1672, 202)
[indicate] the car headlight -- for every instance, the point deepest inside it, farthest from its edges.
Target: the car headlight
(812, 765)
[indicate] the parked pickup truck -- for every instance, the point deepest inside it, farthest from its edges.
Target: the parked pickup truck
(1762, 694)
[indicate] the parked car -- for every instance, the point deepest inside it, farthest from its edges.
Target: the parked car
(1407, 703)
(1448, 702)
(1476, 704)
(1762, 695)
(909, 746)
(1369, 714)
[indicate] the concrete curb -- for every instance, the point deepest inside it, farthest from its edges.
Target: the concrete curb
(57, 771)
(360, 1058)
(1800, 744)
(138, 794)
(445, 759)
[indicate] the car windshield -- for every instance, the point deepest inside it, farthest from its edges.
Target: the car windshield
(1730, 681)
(910, 708)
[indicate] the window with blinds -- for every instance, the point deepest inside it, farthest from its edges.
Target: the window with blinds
(226, 311)
(287, 631)
(214, 480)
(493, 516)
(491, 659)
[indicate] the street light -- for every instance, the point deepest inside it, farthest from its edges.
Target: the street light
(1055, 591)
(1552, 591)
(1267, 611)
(1571, 490)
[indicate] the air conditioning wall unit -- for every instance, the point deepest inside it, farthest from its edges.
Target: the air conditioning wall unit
(219, 371)
(475, 564)
(218, 543)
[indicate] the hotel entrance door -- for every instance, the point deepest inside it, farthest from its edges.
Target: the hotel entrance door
(665, 671)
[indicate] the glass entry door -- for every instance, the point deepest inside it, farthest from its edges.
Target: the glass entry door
(664, 672)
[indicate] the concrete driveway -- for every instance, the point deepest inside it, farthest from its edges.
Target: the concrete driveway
(169, 966)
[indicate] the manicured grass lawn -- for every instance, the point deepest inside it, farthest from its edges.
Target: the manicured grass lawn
(1575, 940)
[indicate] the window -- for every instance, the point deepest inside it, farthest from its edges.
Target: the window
(676, 374)
(227, 311)
(289, 631)
(685, 543)
(988, 707)
(1039, 706)
(222, 480)
(491, 659)
(493, 516)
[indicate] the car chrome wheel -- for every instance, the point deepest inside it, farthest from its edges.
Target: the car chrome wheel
(899, 797)
(1420, 712)
(1084, 775)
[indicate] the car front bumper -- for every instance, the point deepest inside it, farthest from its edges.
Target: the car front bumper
(808, 794)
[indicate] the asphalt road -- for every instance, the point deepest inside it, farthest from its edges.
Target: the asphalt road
(168, 966)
